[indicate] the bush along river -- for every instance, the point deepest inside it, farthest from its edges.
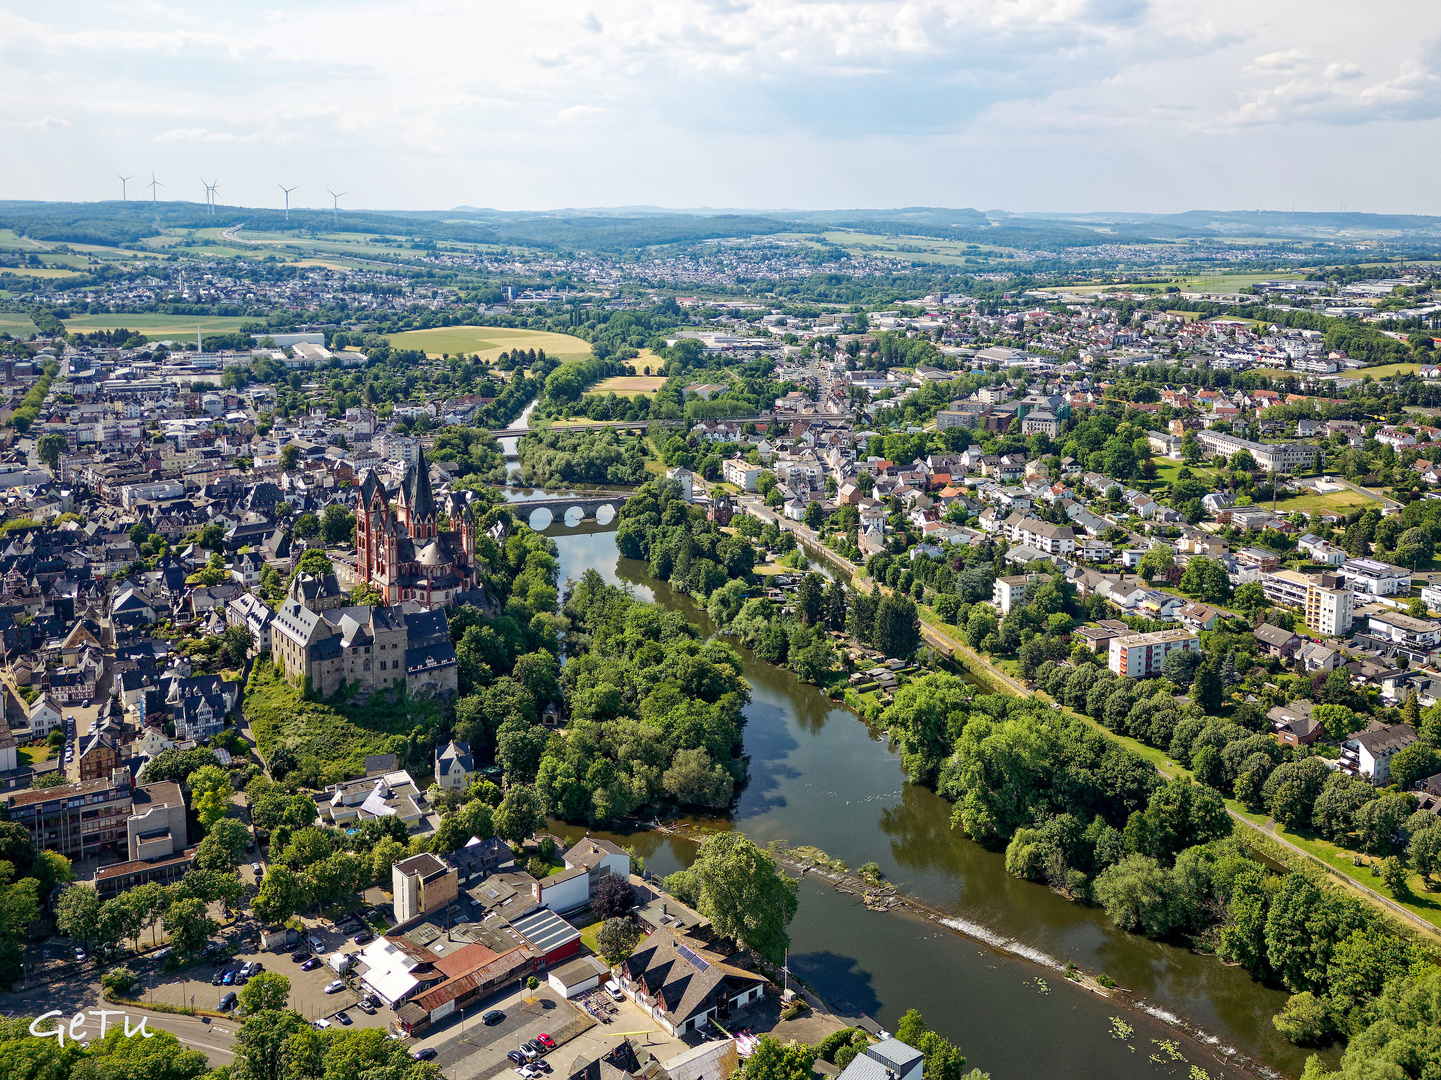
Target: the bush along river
(992, 979)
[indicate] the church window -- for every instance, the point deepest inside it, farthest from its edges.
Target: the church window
(367, 665)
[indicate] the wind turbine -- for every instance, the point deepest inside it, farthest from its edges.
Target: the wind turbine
(335, 207)
(122, 186)
(210, 193)
(287, 191)
(154, 183)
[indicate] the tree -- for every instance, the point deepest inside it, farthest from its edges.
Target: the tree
(210, 792)
(49, 449)
(897, 628)
(1415, 762)
(744, 894)
(1157, 561)
(315, 562)
(772, 1059)
(1249, 597)
(616, 939)
(268, 990)
(693, 779)
(337, 524)
(943, 1060)
(1208, 689)
(282, 894)
(810, 598)
(189, 925)
(980, 625)
(1379, 821)
(1137, 894)
(1393, 873)
(519, 814)
(1426, 852)
(77, 913)
(920, 719)
(289, 457)
(1206, 579)
(1304, 1020)
(815, 517)
(836, 606)
(1291, 791)
(224, 846)
(119, 981)
(367, 595)
(263, 1045)
(612, 897)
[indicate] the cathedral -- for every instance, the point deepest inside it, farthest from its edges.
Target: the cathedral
(406, 555)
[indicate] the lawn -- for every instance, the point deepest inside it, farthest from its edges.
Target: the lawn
(34, 755)
(1168, 470)
(630, 385)
(1386, 371)
(489, 342)
(1339, 501)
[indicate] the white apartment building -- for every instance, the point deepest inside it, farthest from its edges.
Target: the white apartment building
(1376, 578)
(1139, 656)
(1286, 587)
(1273, 457)
(1330, 610)
(1422, 635)
(1043, 536)
(740, 473)
(1008, 593)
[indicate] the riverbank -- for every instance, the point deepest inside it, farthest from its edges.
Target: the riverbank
(818, 778)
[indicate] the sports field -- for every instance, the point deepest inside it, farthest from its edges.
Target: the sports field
(489, 342)
(629, 385)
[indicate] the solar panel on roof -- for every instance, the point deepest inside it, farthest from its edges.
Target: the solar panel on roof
(690, 955)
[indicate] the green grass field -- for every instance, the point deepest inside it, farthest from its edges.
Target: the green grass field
(1386, 371)
(1339, 501)
(15, 324)
(490, 341)
(154, 326)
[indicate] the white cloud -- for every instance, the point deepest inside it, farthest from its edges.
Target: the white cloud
(847, 102)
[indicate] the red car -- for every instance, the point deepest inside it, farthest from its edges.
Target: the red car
(545, 1041)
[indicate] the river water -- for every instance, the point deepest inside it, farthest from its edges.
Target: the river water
(819, 776)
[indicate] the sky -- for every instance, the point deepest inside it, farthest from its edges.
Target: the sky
(1021, 105)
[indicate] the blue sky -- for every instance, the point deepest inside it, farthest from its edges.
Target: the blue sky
(1066, 105)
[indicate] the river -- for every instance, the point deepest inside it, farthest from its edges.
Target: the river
(819, 776)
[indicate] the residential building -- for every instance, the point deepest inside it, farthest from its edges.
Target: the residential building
(740, 473)
(1139, 656)
(1198, 617)
(1329, 606)
(1421, 635)
(1274, 641)
(1286, 587)
(680, 988)
(889, 1059)
(80, 821)
(1042, 535)
(1370, 752)
(1376, 578)
(1009, 592)
(453, 765)
(1320, 551)
(422, 883)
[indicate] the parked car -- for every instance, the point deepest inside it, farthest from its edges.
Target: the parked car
(366, 1005)
(542, 1065)
(228, 1002)
(321, 1024)
(613, 989)
(530, 1050)
(425, 1053)
(228, 979)
(363, 937)
(217, 978)
(311, 964)
(299, 956)
(517, 1057)
(529, 1072)
(345, 1020)
(335, 987)
(545, 1041)
(492, 1016)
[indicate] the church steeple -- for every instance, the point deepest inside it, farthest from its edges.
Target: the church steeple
(417, 503)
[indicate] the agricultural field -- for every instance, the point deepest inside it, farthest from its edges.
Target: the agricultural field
(489, 342)
(16, 324)
(630, 385)
(153, 326)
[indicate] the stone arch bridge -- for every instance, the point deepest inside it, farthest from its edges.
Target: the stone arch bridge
(540, 514)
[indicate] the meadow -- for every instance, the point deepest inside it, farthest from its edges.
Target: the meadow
(630, 385)
(154, 326)
(489, 342)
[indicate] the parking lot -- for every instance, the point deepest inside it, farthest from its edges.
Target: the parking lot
(307, 988)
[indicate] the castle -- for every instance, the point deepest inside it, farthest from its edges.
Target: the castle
(405, 555)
